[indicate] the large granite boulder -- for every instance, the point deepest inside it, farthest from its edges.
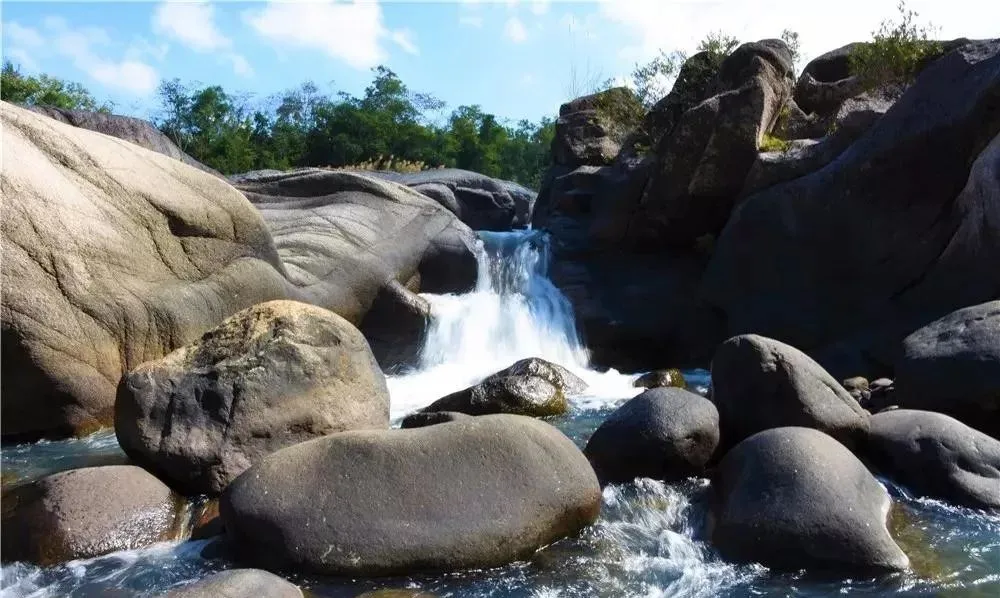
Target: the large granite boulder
(133, 130)
(270, 376)
(827, 81)
(702, 164)
(795, 498)
(665, 434)
(591, 129)
(952, 365)
(112, 255)
(899, 229)
(83, 513)
(760, 383)
(238, 583)
(936, 455)
(473, 493)
(481, 202)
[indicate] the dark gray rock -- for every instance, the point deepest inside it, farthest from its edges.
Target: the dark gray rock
(238, 583)
(827, 81)
(936, 455)
(661, 378)
(395, 326)
(422, 419)
(795, 498)
(952, 365)
(268, 377)
(84, 513)
(474, 493)
(919, 244)
(759, 383)
(664, 433)
(591, 129)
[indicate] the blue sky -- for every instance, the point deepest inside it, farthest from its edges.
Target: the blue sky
(517, 59)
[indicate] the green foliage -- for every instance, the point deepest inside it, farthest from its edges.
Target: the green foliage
(791, 39)
(896, 53)
(718, 44)
(652, 80)
(620, 111)
(44, 90)
(770, 143)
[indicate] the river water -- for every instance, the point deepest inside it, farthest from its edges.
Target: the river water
(649, 540)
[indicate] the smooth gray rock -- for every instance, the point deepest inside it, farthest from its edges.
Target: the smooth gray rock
(952, 365)
(238, 583)
(473, 493)
(759, 383)
(270, 376)
(794, 498)
(84, 513)
(664, 433)
(936, 455)
(661, 378)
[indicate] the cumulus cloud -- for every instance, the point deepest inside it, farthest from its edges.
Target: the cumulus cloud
(514, 30)
(192, 24)
(353, 32)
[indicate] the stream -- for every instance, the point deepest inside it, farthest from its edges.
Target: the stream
(650, 539)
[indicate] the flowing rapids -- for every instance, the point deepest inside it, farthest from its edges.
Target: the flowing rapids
(650, 540)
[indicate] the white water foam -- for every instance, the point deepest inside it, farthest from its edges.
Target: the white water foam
(513, 313)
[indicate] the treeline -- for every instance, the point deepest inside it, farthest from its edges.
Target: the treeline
(388, 126)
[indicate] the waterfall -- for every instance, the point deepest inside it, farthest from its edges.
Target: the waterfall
(514, 312)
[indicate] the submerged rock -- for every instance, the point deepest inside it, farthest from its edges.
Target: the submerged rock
(665, 433)
(238, 583)
(759, 383)
(661, 378)
(936, 455)
(795, 498)
(270, 376)
(474, 493)
(84, 513)
(532, 387)
(422, 419)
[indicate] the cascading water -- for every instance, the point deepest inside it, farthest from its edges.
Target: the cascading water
(514, 312)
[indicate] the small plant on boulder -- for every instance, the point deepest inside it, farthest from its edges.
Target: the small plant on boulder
(896, 53)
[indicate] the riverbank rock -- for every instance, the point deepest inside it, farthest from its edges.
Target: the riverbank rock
(917, 197)
(936, 455)
(84, 513)
(660, 378)
(270, 376)
(952, 365)
(665, 434)
(481, 202)
(759, 383)
(473, 493)
(532, 387)
(112, 255)
(395, 325)
(422, 419)
(795, 498)
(238, 583)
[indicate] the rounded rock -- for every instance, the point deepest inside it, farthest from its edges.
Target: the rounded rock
(238, 583)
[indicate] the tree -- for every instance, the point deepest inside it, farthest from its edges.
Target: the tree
(718, 44)
(897, 52)
(44, 90)
(791, 39)
(652, 81)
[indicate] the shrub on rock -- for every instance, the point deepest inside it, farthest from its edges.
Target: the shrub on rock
(474, 493)
(270, 376)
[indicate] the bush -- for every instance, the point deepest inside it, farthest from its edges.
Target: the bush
(770, 143)
(896, 53)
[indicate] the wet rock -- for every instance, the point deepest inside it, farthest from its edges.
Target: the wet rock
(396, 326)
(84, 513)
(270, 376)
(396, 594)
(421, 419)
(936, 455)
(664, 433)
(795, 498)
(532, 387)
(858, 388)
(759, 383)
(952, 366)
(660, 378)
(238, 583)
(523, 486)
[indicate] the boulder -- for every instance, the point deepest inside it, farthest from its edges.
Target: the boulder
(661, 378)
(532, 387)
(421, 419)
(112, 255)
(936, 455)
(481, 202)
(952, 365)
(701, 166)
(760, 383)
(474, 493)
(795, 498)
(238, 583)
(889, 215)
(270, 376)
(827, 81)
(665, 434)
(590, 129)
(133, 130)
(84, 513)
(395, 326)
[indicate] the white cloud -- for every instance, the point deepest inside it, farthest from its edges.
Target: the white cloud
(539, 7)
(348, 31)
(514, 30)
(193, 25)
(471, 21)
